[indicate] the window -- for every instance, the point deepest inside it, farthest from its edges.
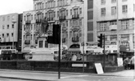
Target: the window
(113, 37)
(80, 10)
(3, 18)
(124, 24)
(90, 37)
(113, 1)
(113, 23)
(12, 25)
(12, 34)
(102, 26)
(124, 36)
(7, 26)
(113, 10)
(103, 2)
(7, 34)
(2, 35)
(40, 44)
(70, 11)
(90, 4)
(103, 11)
(3, 26)
(124, 8)
(90, 15)
(8, 18)
(90, 26)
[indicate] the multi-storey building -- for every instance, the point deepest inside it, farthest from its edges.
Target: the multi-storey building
(70, 14)
(8, 31)
(116, 19)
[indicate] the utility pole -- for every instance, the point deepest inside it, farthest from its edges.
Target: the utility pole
(104, 51)
(59, 62)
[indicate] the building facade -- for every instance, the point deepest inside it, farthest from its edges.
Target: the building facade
(116, 19)
(9, 31)
(70, 14)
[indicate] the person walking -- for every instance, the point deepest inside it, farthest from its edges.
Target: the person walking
(127, 63)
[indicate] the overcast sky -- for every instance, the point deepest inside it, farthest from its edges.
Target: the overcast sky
(15, 6)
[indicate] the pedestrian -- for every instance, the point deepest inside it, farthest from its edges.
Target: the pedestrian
(127, 63)
(132, 62)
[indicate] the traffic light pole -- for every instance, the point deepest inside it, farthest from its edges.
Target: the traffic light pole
(59, 59)
(104, 51)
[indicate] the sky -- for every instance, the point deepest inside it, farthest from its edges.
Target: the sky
(15, 6)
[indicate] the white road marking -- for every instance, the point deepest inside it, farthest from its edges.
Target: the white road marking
(74, 76)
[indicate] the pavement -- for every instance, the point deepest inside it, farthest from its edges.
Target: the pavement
(53, 76)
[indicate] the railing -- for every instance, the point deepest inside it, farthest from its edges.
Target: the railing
(75, 16)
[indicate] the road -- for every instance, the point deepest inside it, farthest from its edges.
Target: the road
(17, 75)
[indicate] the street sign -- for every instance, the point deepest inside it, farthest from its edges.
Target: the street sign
(99, 68)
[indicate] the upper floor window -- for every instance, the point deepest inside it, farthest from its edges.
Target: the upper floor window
(124, 8)
(12, 34)
(39, 15)
(62, 2)
(50, 4)
(124, 24)
(3, 26)
(12, 25)
(8, 18)
(62, 12)
(39, 5)
(50, 15)
(7, 26)
(7, 34)
(102, 26)
(113, 10)
(103, 2)
(113, 23)
(76, 11)
(3, 18)
(103, 11)
(113, 1)
(28, 17)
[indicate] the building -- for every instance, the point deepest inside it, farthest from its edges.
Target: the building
(68, 13)
(81, 21)
(116, 19)
(9, 31)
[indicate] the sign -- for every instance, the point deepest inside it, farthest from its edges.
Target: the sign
(120, 61)
(99, 68)
(78, 65)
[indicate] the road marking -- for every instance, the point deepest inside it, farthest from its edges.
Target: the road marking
(74, 76)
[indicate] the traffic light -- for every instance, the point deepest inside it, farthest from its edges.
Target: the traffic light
(55, 38)
(100, 41)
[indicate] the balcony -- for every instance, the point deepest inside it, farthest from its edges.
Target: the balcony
(75, 16)
(38, 20)
(28, 21)
(50, 19)
(62, 18)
